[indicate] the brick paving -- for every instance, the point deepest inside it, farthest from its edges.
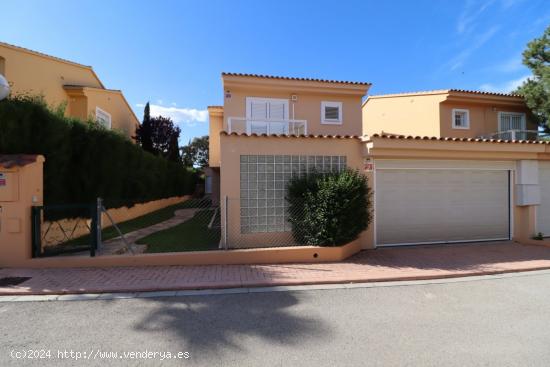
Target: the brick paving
(405, 263)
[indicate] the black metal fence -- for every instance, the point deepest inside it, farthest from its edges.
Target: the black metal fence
(64, 229)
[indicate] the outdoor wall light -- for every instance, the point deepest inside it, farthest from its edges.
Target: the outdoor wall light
(4, 87)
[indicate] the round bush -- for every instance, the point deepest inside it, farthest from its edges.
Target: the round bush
(329, 209)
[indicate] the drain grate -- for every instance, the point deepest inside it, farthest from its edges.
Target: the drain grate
(11, 281)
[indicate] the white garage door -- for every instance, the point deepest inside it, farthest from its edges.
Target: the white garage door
(436, 205)
(543, 210)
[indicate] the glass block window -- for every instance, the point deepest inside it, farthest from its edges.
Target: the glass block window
(263, 183)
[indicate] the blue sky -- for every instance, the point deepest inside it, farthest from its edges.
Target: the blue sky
(171, 53)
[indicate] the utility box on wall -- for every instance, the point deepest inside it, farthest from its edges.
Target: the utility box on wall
(527, 183)
(9, 186)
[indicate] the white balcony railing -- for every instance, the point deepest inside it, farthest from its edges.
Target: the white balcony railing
(243, 125)
(515, 135)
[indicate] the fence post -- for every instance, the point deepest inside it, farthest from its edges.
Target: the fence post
(225, 221)
(36, 229)
(93, 232)
(99, 210)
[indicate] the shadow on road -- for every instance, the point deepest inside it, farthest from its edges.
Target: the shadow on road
(216, 324)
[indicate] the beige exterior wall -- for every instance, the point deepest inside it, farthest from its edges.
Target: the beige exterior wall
(215, 117)
(302, 254)
(22, 190)
(232, 147)
(430, 114)
(434, 154)
(404, 115)
(32, 73)
(483, 118)
(308, 107)
(309, 94)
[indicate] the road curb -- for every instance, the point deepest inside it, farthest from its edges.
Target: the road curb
(99, 296)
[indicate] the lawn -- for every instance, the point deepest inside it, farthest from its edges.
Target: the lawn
(192, 235)
(83, 243)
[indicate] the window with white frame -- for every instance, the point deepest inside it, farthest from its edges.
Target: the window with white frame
(511, 121)
(331, 113)
(103, 117)
(461, 119)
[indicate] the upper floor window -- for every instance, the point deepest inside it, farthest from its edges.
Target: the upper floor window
(331, 113)
(511, 121)
(103, 117)
(461, 119)
(2, 66)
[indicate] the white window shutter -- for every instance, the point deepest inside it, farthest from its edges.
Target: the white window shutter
(277, 110)
(258, 110)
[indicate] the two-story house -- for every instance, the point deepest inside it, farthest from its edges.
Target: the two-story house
(270, 129)
(446, 167)
(63, 82)
(451, 112)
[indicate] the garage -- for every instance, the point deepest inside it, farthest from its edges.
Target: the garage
(543, 210)
(442, 205)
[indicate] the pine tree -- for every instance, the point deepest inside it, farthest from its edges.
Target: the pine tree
(536, 90)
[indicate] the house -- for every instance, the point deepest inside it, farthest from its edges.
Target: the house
(66, 83)
(447, 166)
(451, 112)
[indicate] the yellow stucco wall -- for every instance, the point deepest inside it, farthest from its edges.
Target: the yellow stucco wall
(404, 115)
(122, 117)
(29, 73)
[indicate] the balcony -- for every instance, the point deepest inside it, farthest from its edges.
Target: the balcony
(242, 125)
(517, 135)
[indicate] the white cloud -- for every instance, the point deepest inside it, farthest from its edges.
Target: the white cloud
(478, 42)
(469, 15)
(188, 116)
(504, 87)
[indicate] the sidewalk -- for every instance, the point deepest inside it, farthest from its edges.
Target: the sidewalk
(404, 263)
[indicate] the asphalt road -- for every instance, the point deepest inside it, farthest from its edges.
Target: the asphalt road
(496, 322)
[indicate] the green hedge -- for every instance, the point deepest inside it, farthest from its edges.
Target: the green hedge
(85, 161)
(329, 209)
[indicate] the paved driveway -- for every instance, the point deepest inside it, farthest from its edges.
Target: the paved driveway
(376, 265)
(498, 322)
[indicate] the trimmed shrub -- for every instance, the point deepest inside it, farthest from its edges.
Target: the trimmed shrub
(329, 209)
(85, 161)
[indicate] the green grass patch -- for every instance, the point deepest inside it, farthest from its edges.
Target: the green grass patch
(83, 243)
(192, 235)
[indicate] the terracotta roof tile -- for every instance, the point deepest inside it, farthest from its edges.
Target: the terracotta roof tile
(477, 140)
(308, 136)
(294, 78)
(441, 91)
(17, 160)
